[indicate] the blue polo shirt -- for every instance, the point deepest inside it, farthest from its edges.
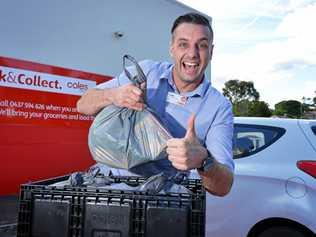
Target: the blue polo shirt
(214, 117)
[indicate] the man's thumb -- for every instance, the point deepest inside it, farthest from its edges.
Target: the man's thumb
(191, 128)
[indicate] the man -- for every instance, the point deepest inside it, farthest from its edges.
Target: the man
(196, 114)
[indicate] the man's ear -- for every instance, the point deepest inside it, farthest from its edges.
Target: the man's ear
(211, 52)
(171, 49)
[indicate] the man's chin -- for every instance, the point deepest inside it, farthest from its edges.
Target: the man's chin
(190, 78)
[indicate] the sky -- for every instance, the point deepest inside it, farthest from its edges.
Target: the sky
(269, 42)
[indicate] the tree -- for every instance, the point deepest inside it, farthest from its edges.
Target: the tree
(288, 108)
(242, 94)
(259, 109)
(240, 108)
(251, 109)
(237, 91)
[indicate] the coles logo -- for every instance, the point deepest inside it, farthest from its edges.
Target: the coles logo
(23, 79)
(77, 85)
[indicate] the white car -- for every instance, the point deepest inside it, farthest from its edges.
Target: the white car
(274, 190)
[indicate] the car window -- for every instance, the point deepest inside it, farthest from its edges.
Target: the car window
(314, 129)
(249, 139)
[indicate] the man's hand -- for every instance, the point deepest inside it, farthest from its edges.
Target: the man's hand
(93, 100)
(129, 96)
(186, 153)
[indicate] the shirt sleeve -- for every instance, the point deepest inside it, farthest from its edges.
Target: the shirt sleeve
(219, 139)
(114, 82)
(122, 79)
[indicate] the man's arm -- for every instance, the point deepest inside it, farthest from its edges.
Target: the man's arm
(94, 100)
(218, 179)
(187, 153)
(219, 143)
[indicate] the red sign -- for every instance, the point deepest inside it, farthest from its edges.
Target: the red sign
(42, 135)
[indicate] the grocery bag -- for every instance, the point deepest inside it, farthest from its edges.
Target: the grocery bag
(125, 138)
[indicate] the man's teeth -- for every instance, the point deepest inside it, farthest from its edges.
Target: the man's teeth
(190, 64)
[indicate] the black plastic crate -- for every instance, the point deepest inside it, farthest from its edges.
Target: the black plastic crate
(91, 212)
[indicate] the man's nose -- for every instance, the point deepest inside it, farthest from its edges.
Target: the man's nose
(193, 51)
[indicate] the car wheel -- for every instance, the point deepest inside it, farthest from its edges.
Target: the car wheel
(282, 231)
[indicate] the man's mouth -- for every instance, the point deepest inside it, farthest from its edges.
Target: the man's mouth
(190, 67)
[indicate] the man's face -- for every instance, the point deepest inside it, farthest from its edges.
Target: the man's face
(191, 48)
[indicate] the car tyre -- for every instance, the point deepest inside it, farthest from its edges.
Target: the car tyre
(282, 231)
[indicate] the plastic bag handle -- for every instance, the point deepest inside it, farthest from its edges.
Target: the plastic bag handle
(140, 77)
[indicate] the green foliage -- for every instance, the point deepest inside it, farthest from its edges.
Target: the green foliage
(251, 109)
(245, 99)
(288, 108)
(237, 91)
(259, 109)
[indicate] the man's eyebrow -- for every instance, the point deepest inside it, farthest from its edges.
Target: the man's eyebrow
(182, 39)
(202, 39)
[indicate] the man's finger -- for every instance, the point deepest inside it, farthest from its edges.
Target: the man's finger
(132, 104)
(175, 143)
(191, 128)
(177, 165)
(137, 91)
(137, 106)
(176, 151)
(143, 85)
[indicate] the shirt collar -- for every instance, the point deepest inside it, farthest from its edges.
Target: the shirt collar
(199, 91)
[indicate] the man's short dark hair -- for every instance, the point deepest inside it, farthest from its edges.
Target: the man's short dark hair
(193, 18)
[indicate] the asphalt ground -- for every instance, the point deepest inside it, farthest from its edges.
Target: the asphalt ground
(8, 215)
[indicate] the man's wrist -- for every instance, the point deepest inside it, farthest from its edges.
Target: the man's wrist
(207, 163)
(108, 95)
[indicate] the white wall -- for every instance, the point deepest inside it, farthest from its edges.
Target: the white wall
(78, 34)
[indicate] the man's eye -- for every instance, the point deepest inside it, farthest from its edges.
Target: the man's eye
(203, 46)
(183, 45)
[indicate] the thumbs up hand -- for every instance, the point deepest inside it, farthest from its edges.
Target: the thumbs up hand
(186, 153)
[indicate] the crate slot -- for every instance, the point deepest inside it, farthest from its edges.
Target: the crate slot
(50, 218)
(102, 219)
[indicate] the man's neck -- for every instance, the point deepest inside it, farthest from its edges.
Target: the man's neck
(186, 86)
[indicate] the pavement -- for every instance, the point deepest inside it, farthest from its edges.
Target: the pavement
(8, 215)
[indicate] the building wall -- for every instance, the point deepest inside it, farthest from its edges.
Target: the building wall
(79, 34)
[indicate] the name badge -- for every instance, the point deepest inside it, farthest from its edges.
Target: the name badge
(176, 98)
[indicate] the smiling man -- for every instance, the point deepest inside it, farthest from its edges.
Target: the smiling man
(198, 116)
